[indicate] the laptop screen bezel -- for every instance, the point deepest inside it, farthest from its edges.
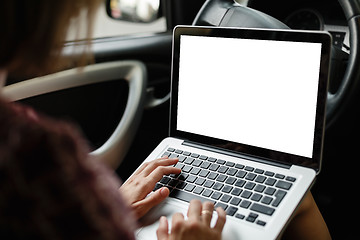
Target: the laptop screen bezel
(259, 34)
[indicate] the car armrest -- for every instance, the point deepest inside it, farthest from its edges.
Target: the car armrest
(115, 148)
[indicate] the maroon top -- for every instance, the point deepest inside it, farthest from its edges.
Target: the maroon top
(49, 189)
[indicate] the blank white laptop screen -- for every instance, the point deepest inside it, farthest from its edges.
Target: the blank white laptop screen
(261, 93)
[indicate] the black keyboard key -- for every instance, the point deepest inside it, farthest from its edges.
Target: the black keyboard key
(261, 223)
(223, 169)
(291, 179)
(209, 183)
(189, 187)
(195, 155)
(220, 161)
(259, 171)
(260, 179)
(216, 195)
(191, 179)
(198, 190)
(165, 180)
(186, 168)
(231, 210)
(246, 194)
(222, 205)
(181, 185)
(266, 200)
(270, 191)
(248, 168)
(280, 176)
(179, 165)
(189, 160)
(205, 165)
(171, 149)
(212, 175)
(157, 186)
(187, 153)
(283, 185)
(196, 163)
(239, 216)
(202, 157)
(207, 192)
(236, 191)
(239, 166)
(231, 171)
(187, 197)
(270, 181)
(262, 209)
(225, 198)
(256, 197)
(173, 182)
(235, 201)
(211, 159)
(227, 189)
(214, 167)
(221, 178)
(279, 196)
(230, 180)
(195, 171)
(259, 188)
(250, 176)
(166, 154)
(178, 151)
(252, 217)
(200, 181)
(230, 164)
(241, 174)
(204, 173)
(218, 186)
(240, 183)
(249, 185)
(173, 155)
(182, 158)
(245, 204)
(183, 176)
(270, 174)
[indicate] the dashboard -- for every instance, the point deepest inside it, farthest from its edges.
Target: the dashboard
(309, 15)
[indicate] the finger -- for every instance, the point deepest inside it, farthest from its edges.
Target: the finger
(220, 222)
(176, 223)
(158, 163)
(207, 212)
(162, 232)
(194, 210)
(159, 172)
(146, 164)
(143, 206)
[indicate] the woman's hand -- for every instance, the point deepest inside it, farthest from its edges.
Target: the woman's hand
(143, 181)
(196, 227)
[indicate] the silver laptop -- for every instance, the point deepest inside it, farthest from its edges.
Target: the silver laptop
(247, 124)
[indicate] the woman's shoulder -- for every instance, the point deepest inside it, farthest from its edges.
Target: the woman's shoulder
(44, 164)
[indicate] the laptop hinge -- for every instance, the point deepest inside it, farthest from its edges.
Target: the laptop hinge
(235, 154)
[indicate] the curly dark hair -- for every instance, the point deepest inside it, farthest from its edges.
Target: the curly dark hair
(49, 188)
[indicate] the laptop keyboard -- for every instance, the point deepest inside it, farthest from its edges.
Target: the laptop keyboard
(228, 185)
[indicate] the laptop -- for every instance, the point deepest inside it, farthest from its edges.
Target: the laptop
(247, 123)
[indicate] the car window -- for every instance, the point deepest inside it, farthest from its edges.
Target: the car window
(104, 26)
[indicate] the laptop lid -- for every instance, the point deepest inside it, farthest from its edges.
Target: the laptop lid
(255, 92)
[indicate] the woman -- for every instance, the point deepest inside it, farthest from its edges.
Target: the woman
(49, 188)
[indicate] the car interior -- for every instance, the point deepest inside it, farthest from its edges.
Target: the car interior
(121, 101)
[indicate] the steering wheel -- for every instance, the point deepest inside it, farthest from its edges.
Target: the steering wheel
(228, 13)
